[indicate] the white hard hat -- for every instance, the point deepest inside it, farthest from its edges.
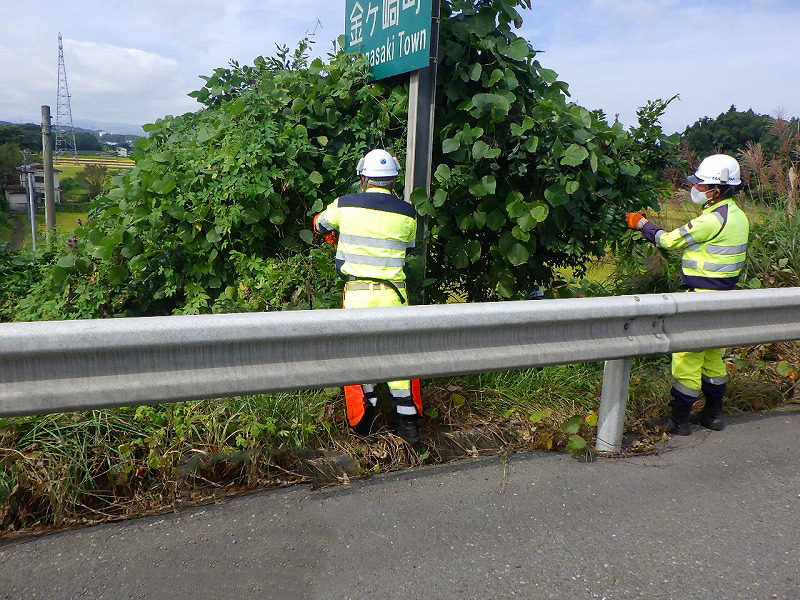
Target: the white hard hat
(716, 170)
(378, 163)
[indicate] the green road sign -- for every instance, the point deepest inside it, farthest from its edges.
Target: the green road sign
(394, 35)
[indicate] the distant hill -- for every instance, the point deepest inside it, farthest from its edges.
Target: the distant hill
(38, 125)
(28, 136)
(121, 128)
(94, 127)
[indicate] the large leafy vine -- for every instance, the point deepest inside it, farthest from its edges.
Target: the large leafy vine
(525, 181)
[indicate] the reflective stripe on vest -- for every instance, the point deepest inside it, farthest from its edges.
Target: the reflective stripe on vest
(375, 261)
(711, 249)
(360, 240)
(716, 268)
(687, 236)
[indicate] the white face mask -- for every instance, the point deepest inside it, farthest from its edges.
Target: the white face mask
(697, 196)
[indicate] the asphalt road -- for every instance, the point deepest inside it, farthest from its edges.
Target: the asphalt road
(717, 515)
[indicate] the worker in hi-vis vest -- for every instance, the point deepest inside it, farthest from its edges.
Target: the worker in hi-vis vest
(372, 233)
(714, 248)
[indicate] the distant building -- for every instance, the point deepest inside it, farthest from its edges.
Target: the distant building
(17, 195)
(122, 151)
(17, 198)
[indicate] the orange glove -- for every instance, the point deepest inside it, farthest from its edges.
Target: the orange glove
(635, 220)
(332, 238)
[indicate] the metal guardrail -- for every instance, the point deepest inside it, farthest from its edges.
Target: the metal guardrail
(59, 366)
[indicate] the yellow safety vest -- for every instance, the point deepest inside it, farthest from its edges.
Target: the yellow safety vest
(375, 230)
(715, 246)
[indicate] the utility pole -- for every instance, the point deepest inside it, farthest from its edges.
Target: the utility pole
(419, 153)
(30, 196)
(49, 192)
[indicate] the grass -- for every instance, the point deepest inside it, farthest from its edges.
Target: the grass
(65, 222)
(68, 171)
(678, 210)
(6, 229)
(91, 155)
(66, 469)
(774, 252)
(118, 162)
(600, 271)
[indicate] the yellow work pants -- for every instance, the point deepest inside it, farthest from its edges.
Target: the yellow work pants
(689, 368)
(379, 295)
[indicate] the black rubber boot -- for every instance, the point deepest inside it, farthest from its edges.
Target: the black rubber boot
(407, 428)
(709, 417)
(671, 425)
(366, 426)
(677, 422)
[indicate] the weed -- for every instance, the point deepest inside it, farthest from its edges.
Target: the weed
(64, 469)
(773, 255)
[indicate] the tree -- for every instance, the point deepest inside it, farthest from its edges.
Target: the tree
(764, 145)
(26, 137)
(86, 141)
(728, 133)
(10, 159)
(95, 179)
(118, 138)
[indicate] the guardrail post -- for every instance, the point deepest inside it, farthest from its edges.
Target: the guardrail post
(614, 397)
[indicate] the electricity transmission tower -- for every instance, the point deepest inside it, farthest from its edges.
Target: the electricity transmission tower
(65, 132)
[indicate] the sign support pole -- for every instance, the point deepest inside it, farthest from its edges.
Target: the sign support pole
(419, 145)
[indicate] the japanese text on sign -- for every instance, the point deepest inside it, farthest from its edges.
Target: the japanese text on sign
(394, 35)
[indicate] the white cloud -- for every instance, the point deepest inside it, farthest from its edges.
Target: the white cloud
(27, 82)
(645, 10)
(138, 62)
(112, 83)
(102, 68)
(613, 64)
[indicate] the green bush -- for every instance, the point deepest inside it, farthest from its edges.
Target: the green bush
(525, 181)
(773, 256)
(72, 191)
(228, 188)
(18, 272)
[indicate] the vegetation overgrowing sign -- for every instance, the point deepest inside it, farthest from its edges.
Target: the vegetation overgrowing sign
(394, 35)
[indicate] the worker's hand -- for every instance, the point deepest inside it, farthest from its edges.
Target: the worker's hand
(332, 238)
(635, 220)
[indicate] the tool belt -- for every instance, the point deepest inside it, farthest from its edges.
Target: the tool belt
(368, 283)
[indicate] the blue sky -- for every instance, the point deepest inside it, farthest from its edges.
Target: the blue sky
(132, 62)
